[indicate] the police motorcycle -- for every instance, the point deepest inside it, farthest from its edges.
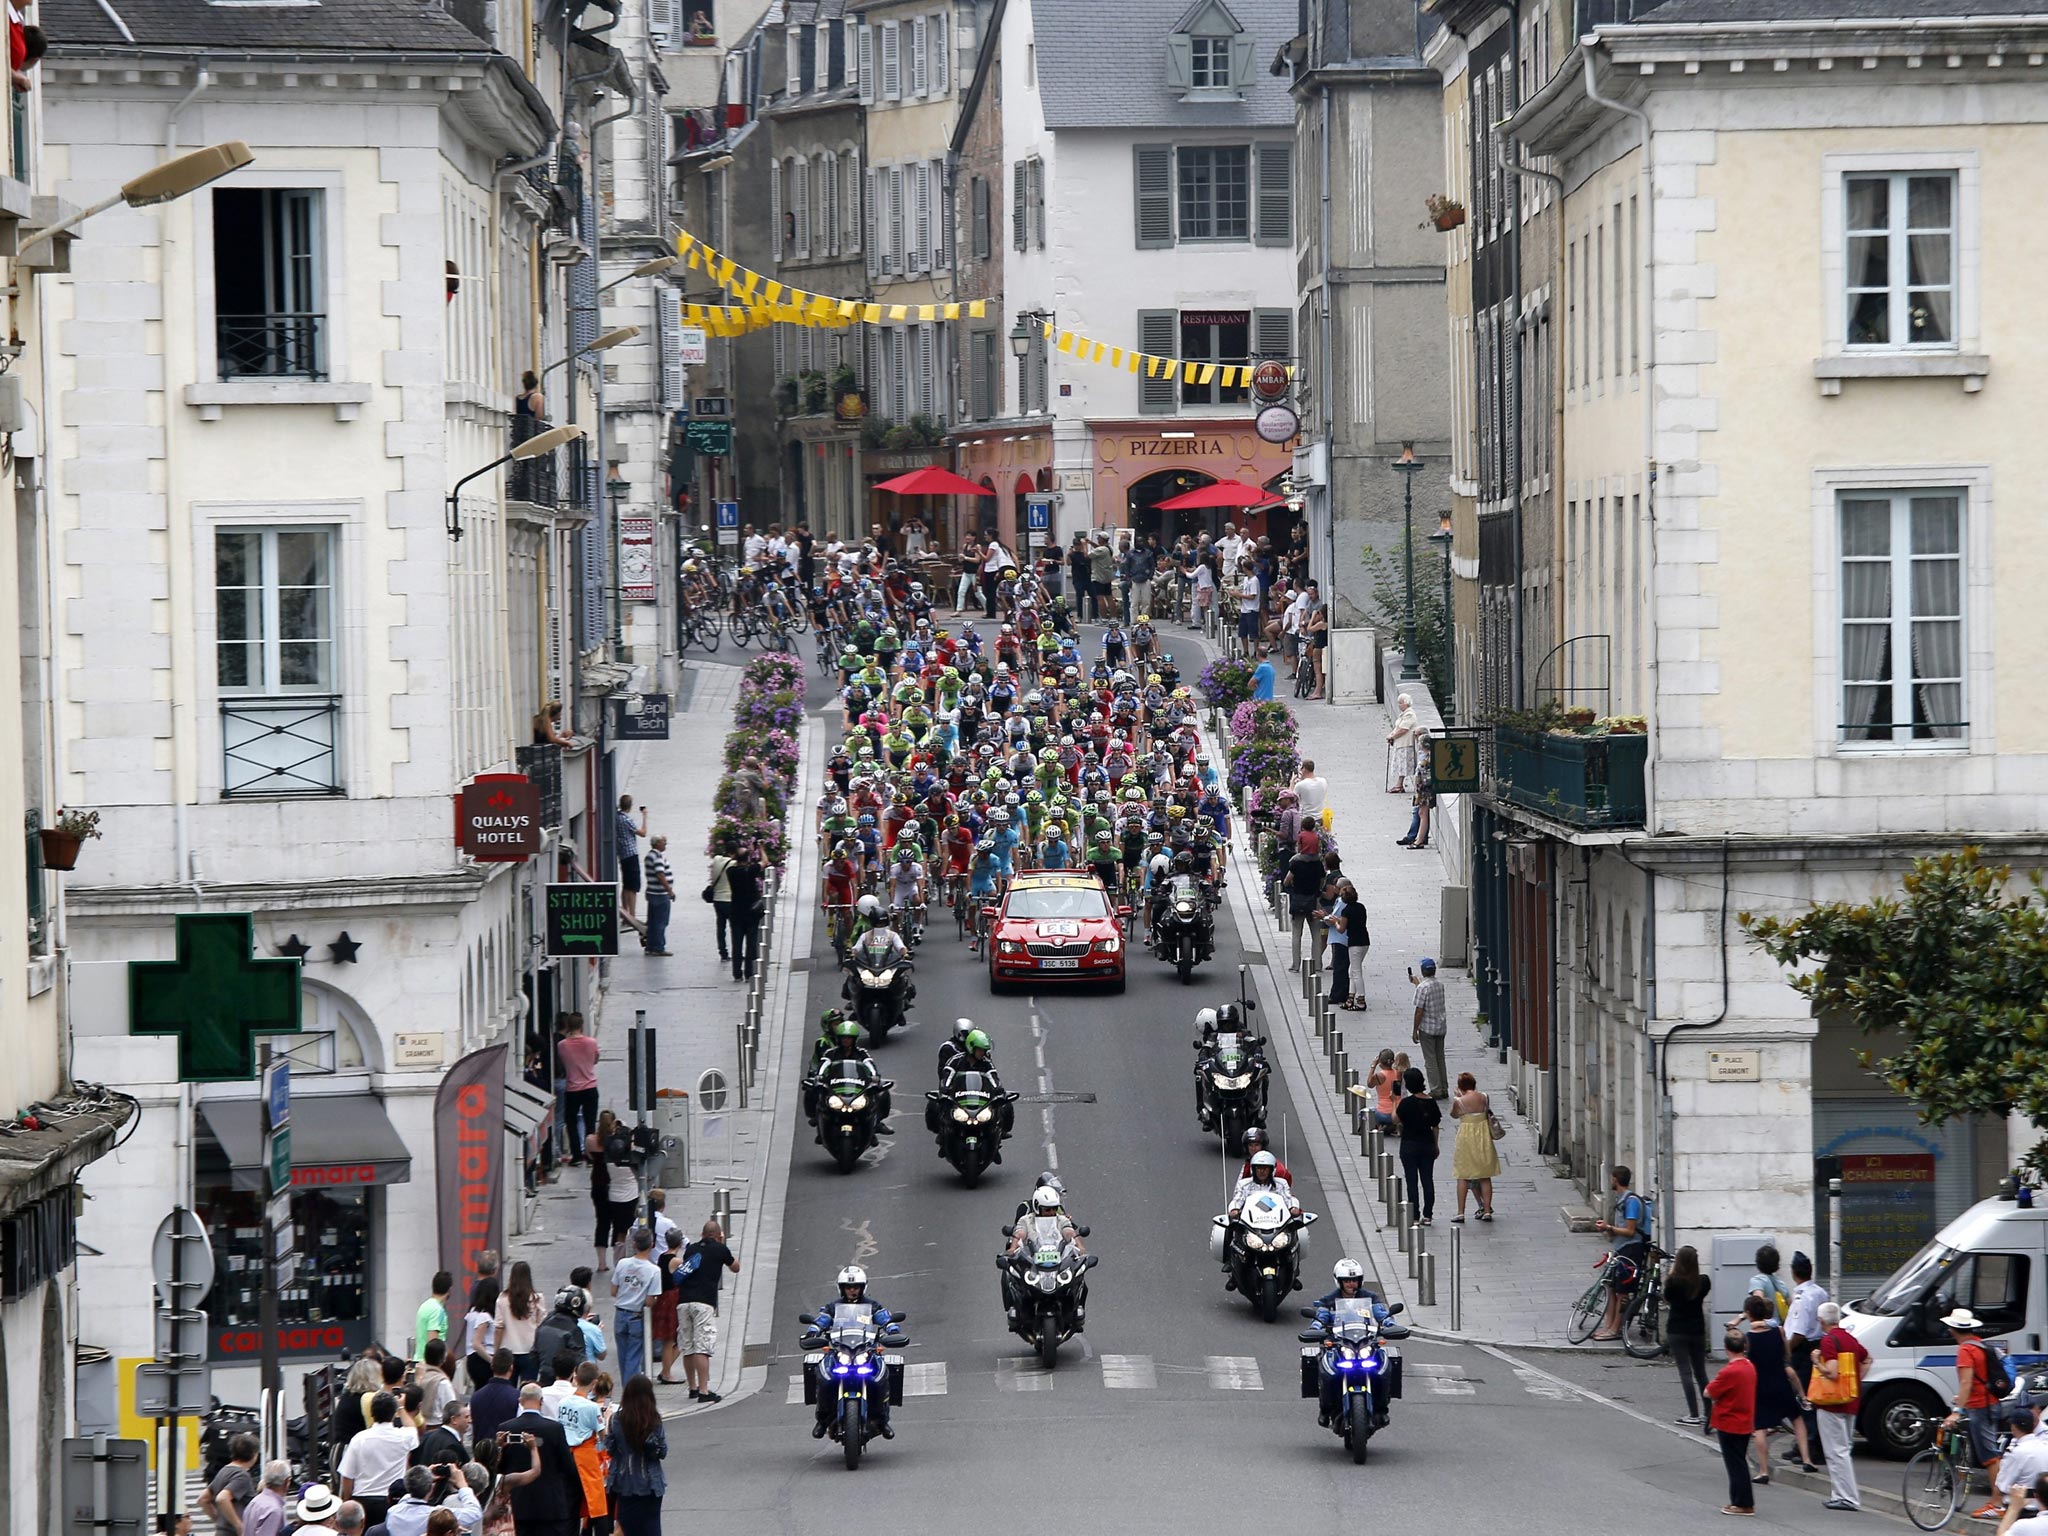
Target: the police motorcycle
(847, 1375)
(1184, 934)
(969, 1114)
(1346, 1363)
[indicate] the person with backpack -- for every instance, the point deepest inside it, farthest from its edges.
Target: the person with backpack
(703, 1264)
(1765, 1283)
(1982, 1379)
(562, 1329)
(614, 1184)
(1630, 1230)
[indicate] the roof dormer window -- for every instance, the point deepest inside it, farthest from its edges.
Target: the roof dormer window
(1209, 54)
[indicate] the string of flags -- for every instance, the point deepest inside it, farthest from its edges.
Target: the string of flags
(763, 301)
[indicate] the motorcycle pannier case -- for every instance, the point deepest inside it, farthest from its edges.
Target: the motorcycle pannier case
(1311, 1363)
(1394, 1383)
(811, 1364)
(1216, 1239)
(894, 1364)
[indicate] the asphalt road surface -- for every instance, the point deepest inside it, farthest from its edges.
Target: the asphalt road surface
(1179, 1407)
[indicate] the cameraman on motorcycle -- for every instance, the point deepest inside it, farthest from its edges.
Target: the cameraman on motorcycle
(1256, 1141)
(1350, 1277)
(1047, 1201)
(846, 1059)
(853, 1292)
(1209, 1023)
(968, 1051)
(881, 948)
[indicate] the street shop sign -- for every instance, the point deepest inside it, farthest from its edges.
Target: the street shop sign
(497, 818)
(640, 717)
(582, 919)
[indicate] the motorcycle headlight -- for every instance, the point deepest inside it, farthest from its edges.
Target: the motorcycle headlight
(1346, 1353)
(982, 1117)
(1065, 1276)
(1281, 1240)
(835, 1101)
(961, 1115)
(887, 978)
(870, 979)
(859, 1101)
(1254, 1241)
(1224, 1080)
(1184, 908)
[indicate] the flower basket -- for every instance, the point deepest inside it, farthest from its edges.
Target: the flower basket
(60, 849)
(1448, 220)
(1445, 213)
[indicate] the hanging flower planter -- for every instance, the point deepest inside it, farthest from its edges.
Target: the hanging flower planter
(1445, 213)
(61, 843)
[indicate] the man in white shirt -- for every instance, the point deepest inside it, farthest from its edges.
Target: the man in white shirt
(634, 1283)
(2026, 1464)
(376, 1457)
(1248, 599)
(754, 546)
(657, 1216)
(1312, 793)
(1228, 548)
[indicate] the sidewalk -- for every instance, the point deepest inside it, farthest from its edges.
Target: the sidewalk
(1523, 1270)
(695, 1006)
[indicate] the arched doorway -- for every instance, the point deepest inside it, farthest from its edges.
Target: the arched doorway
(1163, 485)
(1024, 487)
(988, 510)
(793, 482)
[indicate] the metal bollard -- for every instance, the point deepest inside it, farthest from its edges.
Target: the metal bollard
(1340, 1065)
(1308, 979)
(1397, 1216)
(1333, 1043)
(1418, 1245)
(1427, 1282)
(721, 1209)
(1457, 1278)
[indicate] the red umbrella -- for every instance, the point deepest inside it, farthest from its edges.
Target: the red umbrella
(933, 481)
(1221, 493)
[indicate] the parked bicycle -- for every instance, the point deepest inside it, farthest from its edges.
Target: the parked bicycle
(1642, 1323)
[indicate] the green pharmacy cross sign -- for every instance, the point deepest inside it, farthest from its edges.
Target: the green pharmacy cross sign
(216, 997)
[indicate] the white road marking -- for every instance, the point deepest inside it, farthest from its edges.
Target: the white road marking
(1235, 1373)
(926, 1378)
(796, 1388)
(1435, 1368)
(866, 1247)
(1129, 1371)
(1038, 1050)
(1527, 1372)
(1539, 1385)
(1052, 1153)
(1023, 1375)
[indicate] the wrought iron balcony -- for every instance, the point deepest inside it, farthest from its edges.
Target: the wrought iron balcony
(538, 480)
(1595, 782)
(288, 746)
(272, 346)
(542, 765)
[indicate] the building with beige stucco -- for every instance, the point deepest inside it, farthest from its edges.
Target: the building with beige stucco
(1798, 430)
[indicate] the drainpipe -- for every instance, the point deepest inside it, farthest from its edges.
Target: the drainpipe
(1647, 594)
(1518, 616)
(1326, 366)
(1556, 183)
(182, 854)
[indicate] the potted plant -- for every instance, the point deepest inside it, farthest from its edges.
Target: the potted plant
(1579, 716)
(1445, 213)
(814, 391)
(62, 842)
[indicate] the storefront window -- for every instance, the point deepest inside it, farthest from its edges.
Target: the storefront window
(1222, 336)
(325, 1310)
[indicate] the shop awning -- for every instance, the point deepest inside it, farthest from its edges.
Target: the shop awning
(339, 1141)
(526, 1109)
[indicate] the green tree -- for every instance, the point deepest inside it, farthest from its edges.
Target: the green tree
(1957, 966)
(1387, 609)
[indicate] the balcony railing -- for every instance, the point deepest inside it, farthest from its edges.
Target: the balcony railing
(280, 746)
(537, 480)
(542, 765)
(1595, 782)
(273, 346)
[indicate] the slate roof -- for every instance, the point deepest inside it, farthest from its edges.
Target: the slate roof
(349, 26)
(1104, 66)
(1794, 11)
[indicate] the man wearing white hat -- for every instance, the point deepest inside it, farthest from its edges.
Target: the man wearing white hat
(1974, 1405)
(316, 1511)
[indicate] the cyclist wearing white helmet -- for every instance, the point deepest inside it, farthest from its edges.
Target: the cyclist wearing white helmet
(853, 1292)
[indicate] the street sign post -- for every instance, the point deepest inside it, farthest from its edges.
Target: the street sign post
(277, 1159)
(728, 522)
(179, 1382)
(104, 1486)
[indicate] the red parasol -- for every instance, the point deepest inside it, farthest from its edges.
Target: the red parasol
(1222, 493)
(933, 481)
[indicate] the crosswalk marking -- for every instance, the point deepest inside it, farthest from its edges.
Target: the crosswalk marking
(1539, 1385)
(925, 1379)
(1134, 1371)
(796, 1388)
(1444, 1378)
(1234, 1373)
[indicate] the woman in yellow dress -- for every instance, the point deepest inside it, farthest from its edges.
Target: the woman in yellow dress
(1473, 1159)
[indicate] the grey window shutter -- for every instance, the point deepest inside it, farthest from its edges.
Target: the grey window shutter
(977, 195)
(892, 61)
(1152, 182)
(1159, 335)
(1019, 191)
(1242, 72)
(1273, 334)
(978, 379)
(1273, 221)
(865, 65)
(1180, 73)
(1037, 203)
(1041, 373)
(775, 211)
(942, 224)
(868, 221)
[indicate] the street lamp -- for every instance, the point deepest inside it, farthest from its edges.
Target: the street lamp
(161, 184)
(1407, 464)
(597, 344)
(652, 268)
(532, 448)
(1020, 336)
(1447, 682)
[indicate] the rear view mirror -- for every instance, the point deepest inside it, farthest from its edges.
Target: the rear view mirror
(1081, 1231)
(1399, 1306)
(1250, 1006)
(1090, 1262)
(805, 1317)
(1309, 1312)
(1309, 1335)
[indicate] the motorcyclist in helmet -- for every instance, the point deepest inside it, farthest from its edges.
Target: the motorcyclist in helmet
(1263, 1174)
(842, 1060)
(1256, 1141)
(853, 1291)
(1350, 1277)
(1047, 1201)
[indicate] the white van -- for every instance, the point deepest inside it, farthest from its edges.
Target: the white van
(1992, 1259)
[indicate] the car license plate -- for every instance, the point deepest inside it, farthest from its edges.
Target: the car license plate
(1061, 965)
